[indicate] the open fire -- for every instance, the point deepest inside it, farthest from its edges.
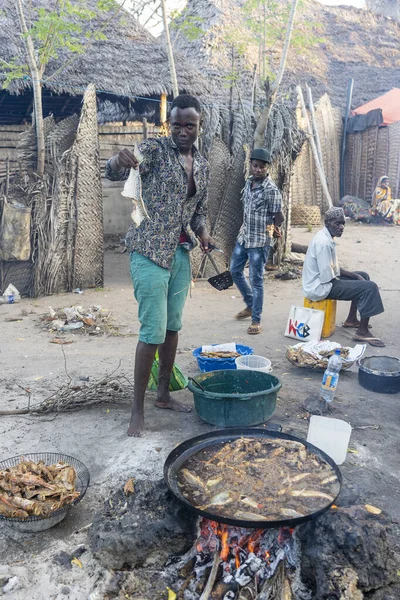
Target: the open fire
(244, 561)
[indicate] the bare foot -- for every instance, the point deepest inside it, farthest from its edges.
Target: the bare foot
(169, 402)
(136, 426)
(369, 339)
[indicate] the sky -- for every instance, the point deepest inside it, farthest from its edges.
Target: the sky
(173, 5)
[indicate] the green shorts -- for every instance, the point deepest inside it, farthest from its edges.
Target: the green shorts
(161, 294)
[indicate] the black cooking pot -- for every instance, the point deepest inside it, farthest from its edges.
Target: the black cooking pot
(380, 374)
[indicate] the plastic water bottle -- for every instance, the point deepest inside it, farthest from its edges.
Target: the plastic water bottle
(331, 377)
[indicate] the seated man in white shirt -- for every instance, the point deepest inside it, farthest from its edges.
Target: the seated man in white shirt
(323, 278)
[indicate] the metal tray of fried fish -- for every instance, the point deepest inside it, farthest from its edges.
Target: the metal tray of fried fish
(179, 457)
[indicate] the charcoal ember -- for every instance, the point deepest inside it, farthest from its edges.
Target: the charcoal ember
(346, 549)
(144, 528)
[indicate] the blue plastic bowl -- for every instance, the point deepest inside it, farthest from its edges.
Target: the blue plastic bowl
(219, 364)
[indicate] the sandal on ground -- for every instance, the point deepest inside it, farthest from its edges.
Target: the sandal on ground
(354, 326)
(254, 329)
(372, 341)
(244, 314)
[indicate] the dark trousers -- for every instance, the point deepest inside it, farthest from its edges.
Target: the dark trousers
(369, 302)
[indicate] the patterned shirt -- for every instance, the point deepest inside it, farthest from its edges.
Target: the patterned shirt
(164, 193)
(260, 204)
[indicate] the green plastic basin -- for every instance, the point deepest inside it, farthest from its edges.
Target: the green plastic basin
(235, 398)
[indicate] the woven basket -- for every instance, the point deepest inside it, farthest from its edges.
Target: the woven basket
(302, 214)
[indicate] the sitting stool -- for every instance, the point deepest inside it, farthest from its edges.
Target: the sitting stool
(329, 306)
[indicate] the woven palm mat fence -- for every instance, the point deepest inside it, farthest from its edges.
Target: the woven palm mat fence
(226, 183)
(229, 170)
(87, 253)
(371, 154)
(305, 183)
(67, 211)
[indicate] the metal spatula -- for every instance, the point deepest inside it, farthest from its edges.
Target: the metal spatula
(221, 281)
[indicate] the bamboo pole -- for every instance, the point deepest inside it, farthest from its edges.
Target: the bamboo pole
(170, 52)
(315, 127)
(314, 148)
(163, 109)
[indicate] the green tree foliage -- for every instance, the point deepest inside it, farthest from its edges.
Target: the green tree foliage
(264, 28)
(66, 27)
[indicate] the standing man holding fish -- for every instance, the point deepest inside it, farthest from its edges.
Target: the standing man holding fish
(173, 182)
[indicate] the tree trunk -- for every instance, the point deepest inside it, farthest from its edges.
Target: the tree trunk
(37, 90)
(170, 53)
(263, 120)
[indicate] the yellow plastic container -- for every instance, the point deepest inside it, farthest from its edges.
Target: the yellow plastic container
(329, 307)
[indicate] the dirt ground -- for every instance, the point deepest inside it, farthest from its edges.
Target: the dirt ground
(97, 436)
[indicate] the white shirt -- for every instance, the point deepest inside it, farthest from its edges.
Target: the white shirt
(320, 266)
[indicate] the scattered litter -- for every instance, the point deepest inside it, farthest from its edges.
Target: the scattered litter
(352, 450)
(13, 320)
(367, 426)
(61, 341)
(93, 321)
(11, 295)
(77, 562)
(67, 560)
(358, 241)
(372, 509)
(78, 291)
(171, 594)
(84, 378)
(129, 487)
(11, 585)
(72, 326)
(288, 275)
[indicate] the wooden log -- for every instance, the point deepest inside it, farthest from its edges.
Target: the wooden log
(211, 580)
(299, 248)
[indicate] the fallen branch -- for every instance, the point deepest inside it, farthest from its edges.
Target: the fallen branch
(75, 397)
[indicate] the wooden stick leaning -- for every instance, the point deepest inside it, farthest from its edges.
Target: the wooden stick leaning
(314, 148)
(315, 128)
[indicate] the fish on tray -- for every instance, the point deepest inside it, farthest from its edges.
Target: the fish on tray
(36, 489)
(258, 479)
(133, 190)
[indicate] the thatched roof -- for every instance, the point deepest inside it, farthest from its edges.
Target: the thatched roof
(355, 43)
(129, 63)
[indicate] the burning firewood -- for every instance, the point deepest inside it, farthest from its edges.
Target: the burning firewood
(211, 580)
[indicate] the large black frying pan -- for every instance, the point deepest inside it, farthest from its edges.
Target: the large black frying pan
(189, 448)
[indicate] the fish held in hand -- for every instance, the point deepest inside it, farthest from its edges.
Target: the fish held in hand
(133, 190)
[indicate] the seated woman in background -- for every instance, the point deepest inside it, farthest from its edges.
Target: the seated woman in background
(382, 203)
